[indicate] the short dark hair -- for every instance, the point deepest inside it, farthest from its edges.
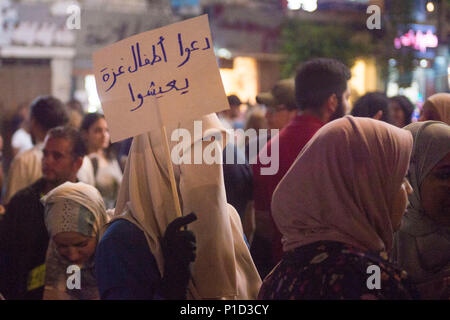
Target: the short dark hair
(233, 100)
(89, 119)
(369, 104)
(49, 112)
(406, 105)
(316, 80)
(72, 135)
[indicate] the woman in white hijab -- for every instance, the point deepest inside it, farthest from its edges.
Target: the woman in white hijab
(74, 216)
(223, 268)
(337, 208)
(422, 245)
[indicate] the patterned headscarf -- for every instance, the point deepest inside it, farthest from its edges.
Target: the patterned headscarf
(72, 207)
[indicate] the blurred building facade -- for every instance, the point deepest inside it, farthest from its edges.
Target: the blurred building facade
(427, 38)
(46, 47)
(247, 36)
(39, 54)
(52, 43)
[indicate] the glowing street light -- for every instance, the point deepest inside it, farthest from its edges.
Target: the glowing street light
(424, 63)
(430, 6)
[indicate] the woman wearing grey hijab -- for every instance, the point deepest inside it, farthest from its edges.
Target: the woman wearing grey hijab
(422, 245)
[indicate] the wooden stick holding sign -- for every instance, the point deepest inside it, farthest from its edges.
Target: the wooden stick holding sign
(164, 68)
(173, 184)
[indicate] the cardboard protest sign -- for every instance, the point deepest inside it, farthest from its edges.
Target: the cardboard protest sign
(173, 68)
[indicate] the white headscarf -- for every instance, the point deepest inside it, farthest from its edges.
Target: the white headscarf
(422, 246)
(72, 207)
(223, 267)
(342, 185)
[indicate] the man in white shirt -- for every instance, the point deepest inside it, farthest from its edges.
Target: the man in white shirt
(21, 141)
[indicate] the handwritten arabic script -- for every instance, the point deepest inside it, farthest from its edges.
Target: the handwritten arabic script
(156, 55)
(171, 68)
(158, 94)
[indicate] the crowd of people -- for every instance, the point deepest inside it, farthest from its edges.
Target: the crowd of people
(356, 188)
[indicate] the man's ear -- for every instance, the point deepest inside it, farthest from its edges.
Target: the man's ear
(332, 103)
(378, 115)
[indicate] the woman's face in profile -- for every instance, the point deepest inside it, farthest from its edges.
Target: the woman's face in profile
(98, 135)
(435, 192)
(75, 247)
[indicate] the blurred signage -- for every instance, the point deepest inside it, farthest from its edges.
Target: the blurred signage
(102, 28)
(419, 37)
(32, 25)
(246, 29)
(342, 5)
(41, 34)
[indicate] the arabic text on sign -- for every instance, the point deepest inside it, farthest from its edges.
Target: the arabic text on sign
(152, 91)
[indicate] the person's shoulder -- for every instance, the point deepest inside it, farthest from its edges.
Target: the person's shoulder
(336, 270)
(359, 259)
(372, 271)
(20, 136)
(123, 241)
(28, 193)
(344, 259)
(23, 159)
(123, 231)
(36, 151)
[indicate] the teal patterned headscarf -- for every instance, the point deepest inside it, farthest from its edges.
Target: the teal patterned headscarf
(72, 207)
(69, 216)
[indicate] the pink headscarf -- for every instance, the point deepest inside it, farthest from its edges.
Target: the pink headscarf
(441, 103)
(342, 185)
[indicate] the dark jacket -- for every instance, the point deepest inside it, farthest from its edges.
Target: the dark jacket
(23, 245)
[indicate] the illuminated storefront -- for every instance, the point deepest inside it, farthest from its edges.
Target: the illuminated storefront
(430, 72)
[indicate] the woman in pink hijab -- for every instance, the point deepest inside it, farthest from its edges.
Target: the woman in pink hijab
(337, 208)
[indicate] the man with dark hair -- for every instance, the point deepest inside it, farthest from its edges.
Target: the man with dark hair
(372, 105)
(234, 101)
(46, 112)
(23, 235)
(321, 90)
